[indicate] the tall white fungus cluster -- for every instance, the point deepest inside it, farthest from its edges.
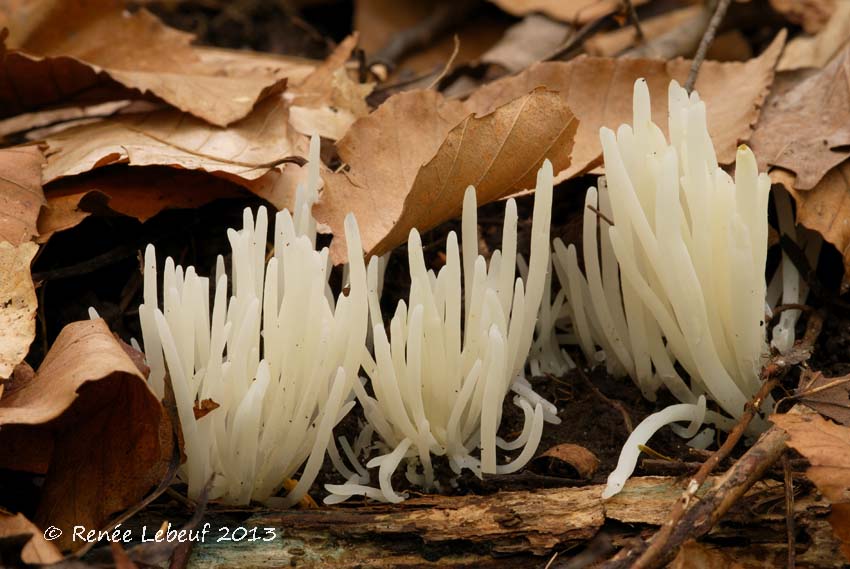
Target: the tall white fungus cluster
(273, 351)
(678, 276)
(454, 351)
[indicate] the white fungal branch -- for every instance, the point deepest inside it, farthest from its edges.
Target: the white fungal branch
(439, 378)
(274, 352)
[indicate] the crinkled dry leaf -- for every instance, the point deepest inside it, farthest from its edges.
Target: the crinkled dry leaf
(817, 50)
(825, 208)
(21, 196)
(813, 15)
(243, 153)
(17, 304)
(327, 102)
(99, 50)
(827, 448)
(91, 424)
(584, 461)
(570, 11)
(807, 129)
(695, 555)
(38, 551)
(413, 158)
(599, 92)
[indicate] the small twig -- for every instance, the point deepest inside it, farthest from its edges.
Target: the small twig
(446, 16)
(601, 215)
(705, 43)
(630, 10)
(577, 38)
(789, 510)
(448, 65)
(660, 545)
(615, 404)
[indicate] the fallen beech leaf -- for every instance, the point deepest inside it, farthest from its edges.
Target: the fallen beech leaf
(243, 153)
(829, 396)
(137, 192)
(38, 551)
(581, 459)
(825, 207)
(91, 424)
(395, 185)
(17, 304)
(570, 11)
(598, 91)
(813, 15)
(384, 151)
(99, 49)
(817, 50)
(827, 448)
(803, 128)
(21, 196)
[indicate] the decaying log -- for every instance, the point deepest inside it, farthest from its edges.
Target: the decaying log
(513, 529)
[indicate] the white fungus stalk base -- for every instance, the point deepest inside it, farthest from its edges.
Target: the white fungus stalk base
(273, 352)
(454, 351)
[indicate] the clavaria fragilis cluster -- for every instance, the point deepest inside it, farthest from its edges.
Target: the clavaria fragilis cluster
(276, 353)
(454, 353)
(679, 276)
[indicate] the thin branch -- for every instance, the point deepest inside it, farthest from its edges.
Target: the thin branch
(789, 510)
(705, 43)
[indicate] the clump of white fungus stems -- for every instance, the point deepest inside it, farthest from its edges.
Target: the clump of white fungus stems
(276, 355)
(679, 277)
(453, 353)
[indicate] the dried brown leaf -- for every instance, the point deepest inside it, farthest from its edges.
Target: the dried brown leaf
(328, 101)
(570, 11)
(581, 459)
(817, 50)
(807, 128)
(94, 50)
(21, 196)
(245, 153)
(829, 396)
(825, 208)
(827, 448)
(38, 551)
(413, 158)
(91, 424)
(813, 15)
(137, 192)
(17, 304)
(599, 92)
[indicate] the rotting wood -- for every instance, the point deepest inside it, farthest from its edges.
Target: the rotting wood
(510, 529)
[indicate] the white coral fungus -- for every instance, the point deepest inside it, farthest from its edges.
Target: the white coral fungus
(276, 354)
(441, 376)
(681, 277)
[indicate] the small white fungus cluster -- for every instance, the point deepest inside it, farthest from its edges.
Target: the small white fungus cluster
(679, 276)
(454, 351)
(276, 354)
